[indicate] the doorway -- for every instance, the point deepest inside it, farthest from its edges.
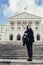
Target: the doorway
(18, 37)
(11, 37)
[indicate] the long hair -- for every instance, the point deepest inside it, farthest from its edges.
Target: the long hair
(27, 27)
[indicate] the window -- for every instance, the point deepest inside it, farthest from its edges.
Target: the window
(19, 24)
(18, 37)
(38, 36)
(12, 28)
(29, 22)
(24, 24)
(19, 27)
(36, 24)
(36, 27)
(12, 25)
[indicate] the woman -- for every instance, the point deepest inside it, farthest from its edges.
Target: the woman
(28, 39)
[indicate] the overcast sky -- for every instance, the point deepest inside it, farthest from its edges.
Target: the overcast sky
(13, 7)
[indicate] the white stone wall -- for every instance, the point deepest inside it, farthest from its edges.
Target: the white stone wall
(6, 30)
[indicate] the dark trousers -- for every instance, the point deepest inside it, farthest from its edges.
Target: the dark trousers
(29, 50)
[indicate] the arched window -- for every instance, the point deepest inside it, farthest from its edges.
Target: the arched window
(11, 37)
(18, 37)
(38, 36)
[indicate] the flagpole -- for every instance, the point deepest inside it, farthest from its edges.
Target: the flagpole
(25, 9)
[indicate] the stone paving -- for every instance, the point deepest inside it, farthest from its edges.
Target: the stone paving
(19, 51)
(20, 62)
(16, 52)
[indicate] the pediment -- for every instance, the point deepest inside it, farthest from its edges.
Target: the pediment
(25, 15)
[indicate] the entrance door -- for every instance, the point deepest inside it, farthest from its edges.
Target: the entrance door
(18, 37)
(11, 37)
(38, 36)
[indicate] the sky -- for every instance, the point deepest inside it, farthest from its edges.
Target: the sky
(10, 8)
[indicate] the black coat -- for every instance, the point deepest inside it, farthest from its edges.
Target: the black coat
(28, 37)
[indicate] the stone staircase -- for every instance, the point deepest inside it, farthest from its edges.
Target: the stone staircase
(15, 50)
(20, 62)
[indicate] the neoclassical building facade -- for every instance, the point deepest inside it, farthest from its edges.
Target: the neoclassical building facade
(16, 26)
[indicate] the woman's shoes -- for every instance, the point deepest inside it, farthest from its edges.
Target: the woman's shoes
(29, 59)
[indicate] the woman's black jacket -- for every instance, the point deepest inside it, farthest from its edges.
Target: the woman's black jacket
(28, 37)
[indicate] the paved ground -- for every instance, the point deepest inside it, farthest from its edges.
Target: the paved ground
(21, 61)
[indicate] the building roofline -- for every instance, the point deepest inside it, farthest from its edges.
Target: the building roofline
(3, 24)
(23, 13)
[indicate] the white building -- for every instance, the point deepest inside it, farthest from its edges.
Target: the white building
(16, 26)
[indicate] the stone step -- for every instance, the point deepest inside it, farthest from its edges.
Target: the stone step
(20, 62)
(18, 51)
(20, 57)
